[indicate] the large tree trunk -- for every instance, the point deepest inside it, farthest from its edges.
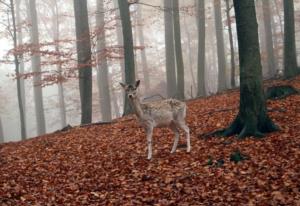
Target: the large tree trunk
(252, 119)
(1, 132)
(36, 68)
(232, 82)
(102, 70)
(140, 30)
(178, 51)
(290, 58)
(128, 49)
(220, 46)
(84, 59)
(272, 67)
(201, 91)
(170, 55)
(61, 96)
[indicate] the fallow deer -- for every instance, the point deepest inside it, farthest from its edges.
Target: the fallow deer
(164, 113)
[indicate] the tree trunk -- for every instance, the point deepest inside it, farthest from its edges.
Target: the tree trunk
(170, 55)
(269, 38)
(1, 132)
(21, 60)
(190, 58)
(140, 30)
(128, 49)
(84, 59)
(290, 58)
(201, 90)
(61, 98)
(36, 68)
(220, 47)
(232, 82)
(178, 50)
(252, 119)
(102, 70)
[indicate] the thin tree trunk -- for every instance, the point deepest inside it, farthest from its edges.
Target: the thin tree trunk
(178, 50)
(128, 49)
(290, 58)
(1, 132)
(140, 30)
(84, 59)
(170, 55)
(231, 45)
(201, 90)
(220, 46)
(102, 70)
(21, 60)
(61, 98)
(36, 68)
(189, 48)
(252, 119)
(269, 38)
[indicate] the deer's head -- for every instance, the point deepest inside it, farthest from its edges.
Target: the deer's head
(131, 89)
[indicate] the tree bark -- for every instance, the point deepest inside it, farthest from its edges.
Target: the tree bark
(102, 70)
(201, 90)
(56, 37)
(128, 49)
(220, 47)
(178, 50)
(232, 58)
(252, 119)
(36, 68)
(269, 38)
(84, 59)
(170, 55)
(290, 58)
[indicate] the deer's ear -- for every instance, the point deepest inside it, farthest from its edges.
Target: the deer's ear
(137, 83)
(123, 85)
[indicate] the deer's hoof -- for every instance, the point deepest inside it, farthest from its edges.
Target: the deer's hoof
(173, 151)
(188, 150)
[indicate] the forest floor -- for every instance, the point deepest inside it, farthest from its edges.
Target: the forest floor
(107, 165)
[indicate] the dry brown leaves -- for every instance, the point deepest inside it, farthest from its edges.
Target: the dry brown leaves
(106, 165)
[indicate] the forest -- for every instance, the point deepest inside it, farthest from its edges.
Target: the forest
(163, 102)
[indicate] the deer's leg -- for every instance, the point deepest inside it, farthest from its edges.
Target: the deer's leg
(176, 139)
(186, 129)
(149, 132)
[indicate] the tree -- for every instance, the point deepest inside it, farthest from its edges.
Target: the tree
(220, 46)
(140, 31)
(84, 59)
(1, 132)
(201, 48)
(36, 68)
(232, 82)
(178, 50)
(128, 49)
(290, 58)
(102, 68)
(269, 37)
(170, 55)
(61, 96)
(21, 61)
(252, 119)
(17, 71)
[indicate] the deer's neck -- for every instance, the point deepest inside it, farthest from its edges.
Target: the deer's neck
(137, 107)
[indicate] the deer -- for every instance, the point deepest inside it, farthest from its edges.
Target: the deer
(161, 113)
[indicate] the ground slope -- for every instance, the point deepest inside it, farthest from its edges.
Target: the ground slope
(106, 164)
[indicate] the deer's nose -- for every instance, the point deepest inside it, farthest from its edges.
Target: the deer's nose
(130, 95)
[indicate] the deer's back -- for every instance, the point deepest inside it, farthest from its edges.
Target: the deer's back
(164, 112)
